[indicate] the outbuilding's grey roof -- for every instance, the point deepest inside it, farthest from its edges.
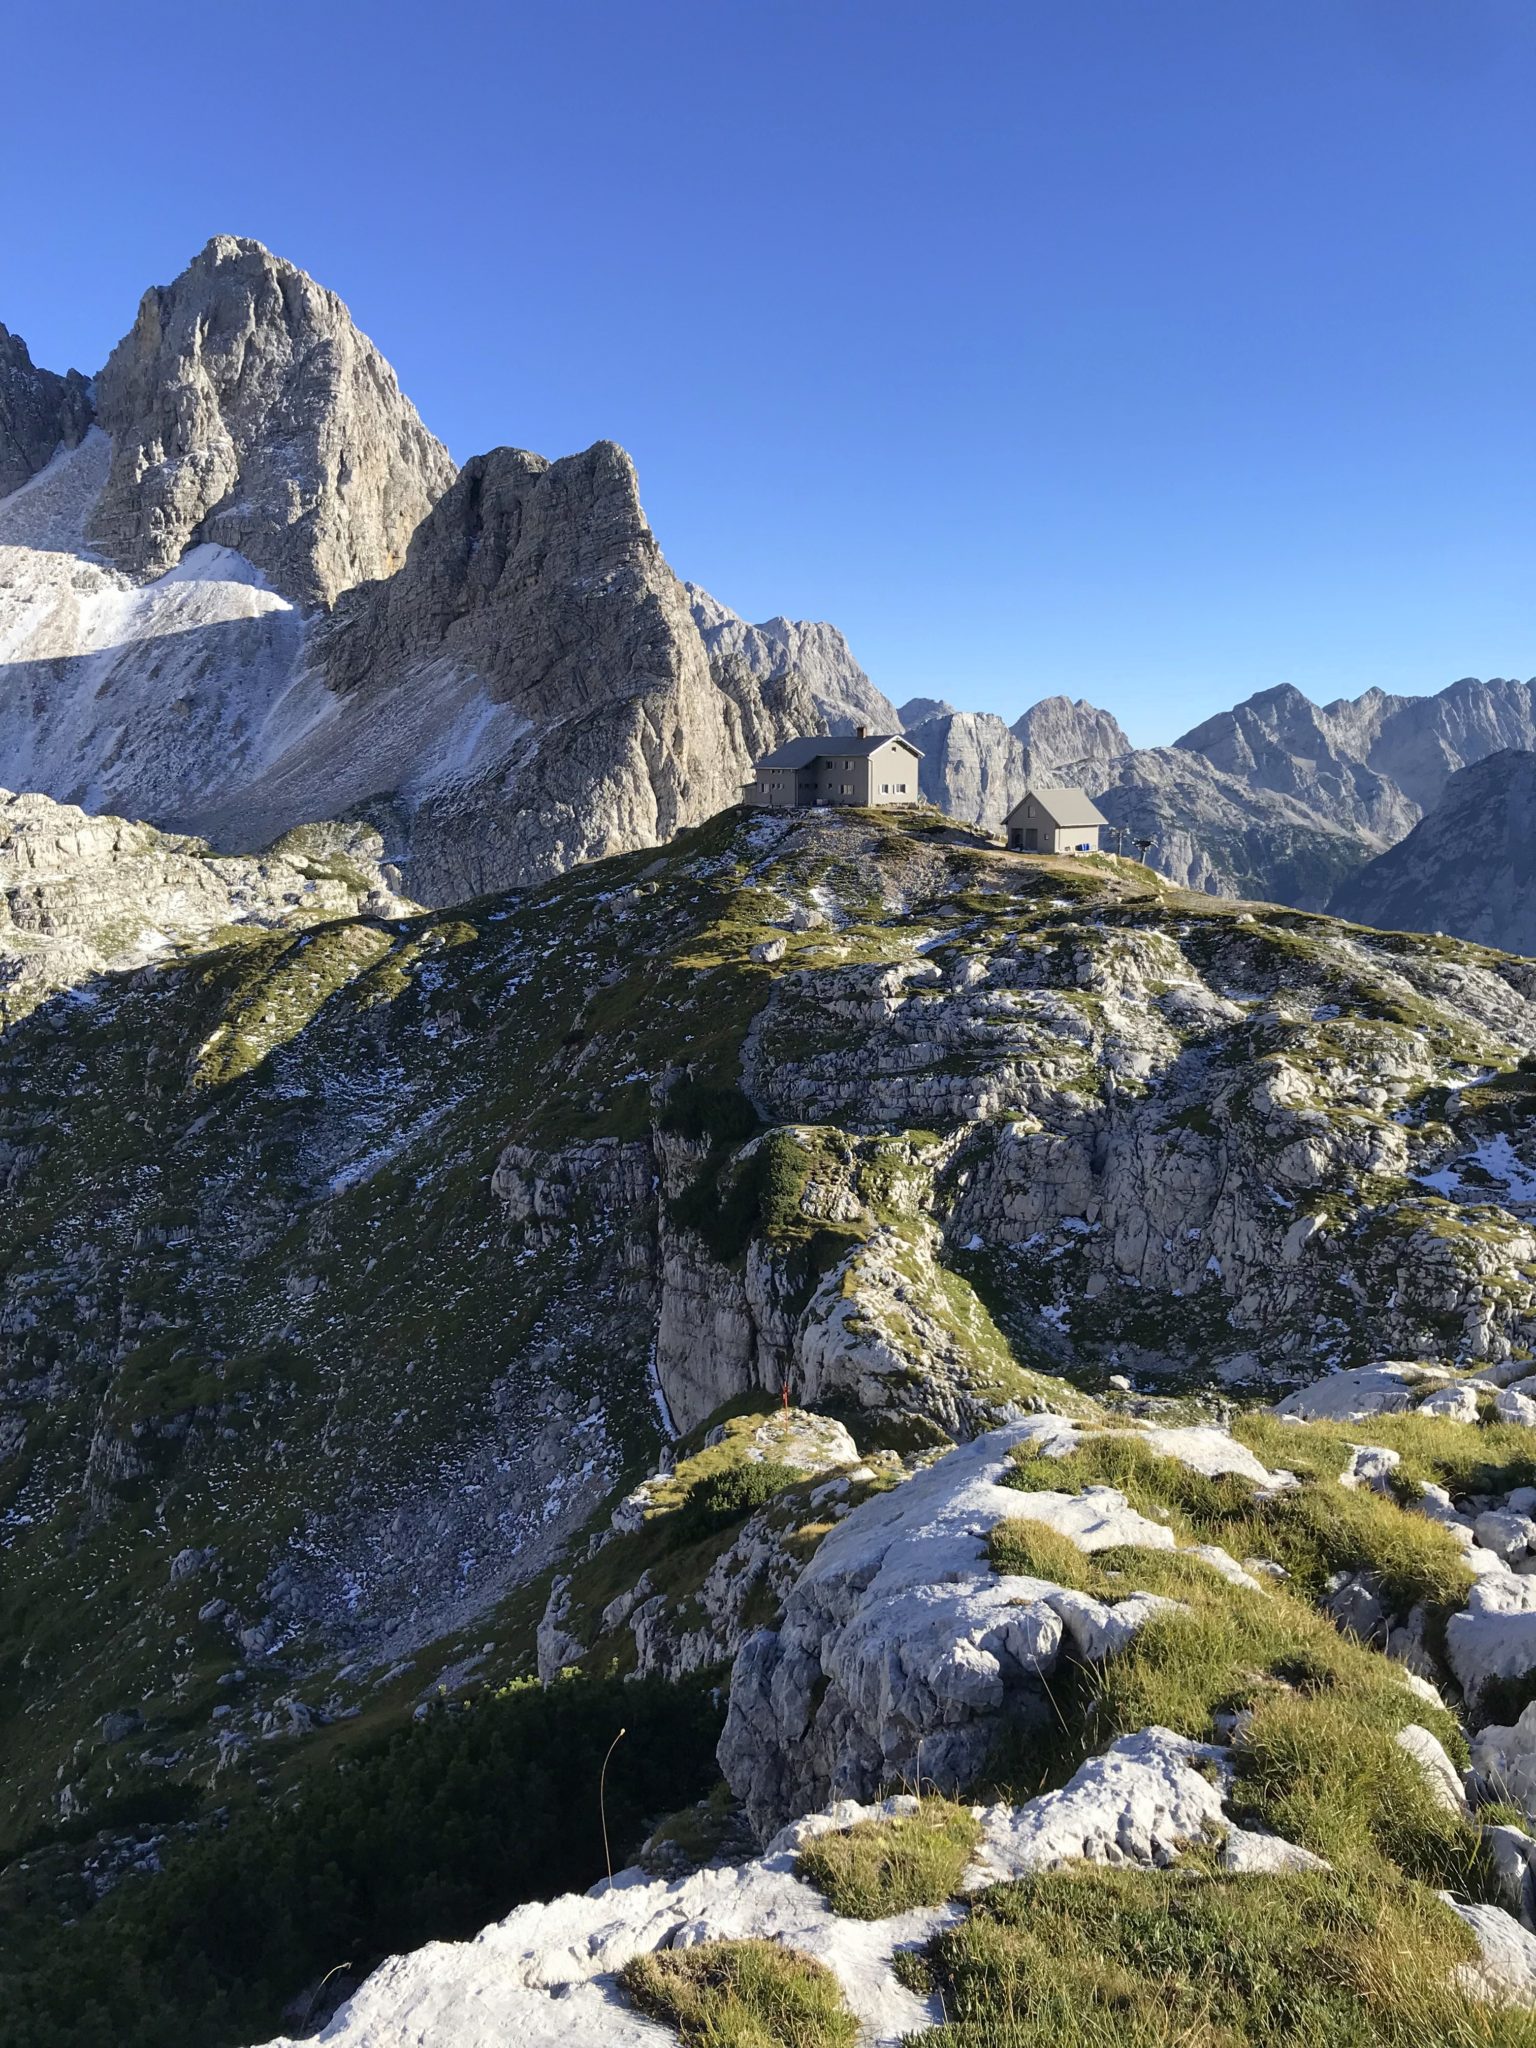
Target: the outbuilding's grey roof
(1064, 806)
(801, 753)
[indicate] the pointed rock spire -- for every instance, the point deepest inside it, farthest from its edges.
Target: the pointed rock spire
(246, 409)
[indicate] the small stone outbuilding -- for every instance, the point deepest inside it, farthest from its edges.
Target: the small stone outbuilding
(843, 768)
(1054, 820)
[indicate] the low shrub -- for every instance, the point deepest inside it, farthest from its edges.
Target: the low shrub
(733, 1493)
(698, 1110)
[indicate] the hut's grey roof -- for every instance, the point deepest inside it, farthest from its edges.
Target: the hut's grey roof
(1065, 806)
(801, 753)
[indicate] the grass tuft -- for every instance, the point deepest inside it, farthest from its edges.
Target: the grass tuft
(1316, 1754)
(878, 1868)
(742, 1994)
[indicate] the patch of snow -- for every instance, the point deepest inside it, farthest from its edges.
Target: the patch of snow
(1497, 1159)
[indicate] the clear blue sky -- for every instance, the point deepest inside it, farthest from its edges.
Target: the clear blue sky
(1151, 350)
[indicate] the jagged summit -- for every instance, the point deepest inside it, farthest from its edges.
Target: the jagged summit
(243, 588)
(1372, 763)
(1057, 731)
(541, 585)
(917, 710)
(247, 410)
(809, 649)
(39, 412)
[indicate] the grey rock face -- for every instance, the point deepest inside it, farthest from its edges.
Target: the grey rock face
(1468, 868)
(1056, 731)
(767, 710)
(544, 583)
(1372, 763)
(902, 1651)
(543, 577)
(1278, 740)
(808, 648)
(1218, 833)
(246, 410)
(973, 767)
(39, 412)
(1421, 741)
(976, 767)
(528, 690)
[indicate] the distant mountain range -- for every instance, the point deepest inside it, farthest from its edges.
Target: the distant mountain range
(242, 588)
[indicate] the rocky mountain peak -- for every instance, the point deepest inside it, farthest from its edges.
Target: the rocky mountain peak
(515, 573)
(537, 617)
(917, 709)
(1057, 730)
(973, 767)
(1279, 740)
(247, 410)
(39, 412)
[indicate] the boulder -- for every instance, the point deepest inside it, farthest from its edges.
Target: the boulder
(1366, 1390)
(902, 1652)
(1504, 1760)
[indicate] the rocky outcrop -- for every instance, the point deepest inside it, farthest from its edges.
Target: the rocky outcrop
(647, 1626)
(903, 1655)
(601, 727)
(83, 895)
(902, 1651)
(1121, 1167)
(39, 413)
(246, 410)
(810, 650)
(1468, 867)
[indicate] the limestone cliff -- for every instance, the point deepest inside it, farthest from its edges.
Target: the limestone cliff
(1372, 763)
(1218, 832)
(973, 767)
(917, 709)
(1279, 741)
(510, 681)
(1057, 731)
